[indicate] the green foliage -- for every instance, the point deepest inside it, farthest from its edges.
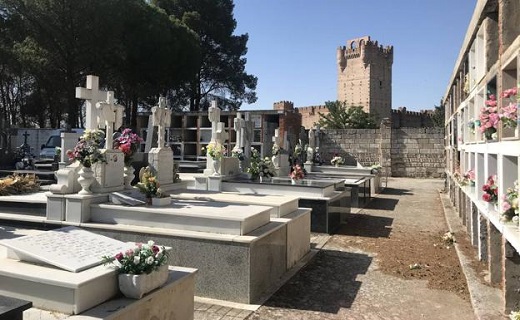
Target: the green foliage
(222, 70)
(438, 116)
(342, 117)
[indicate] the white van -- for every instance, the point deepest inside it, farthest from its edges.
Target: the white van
(48, 150)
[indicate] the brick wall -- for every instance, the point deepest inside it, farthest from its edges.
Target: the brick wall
(414, 152)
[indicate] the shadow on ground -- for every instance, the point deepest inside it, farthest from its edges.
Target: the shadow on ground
(327, 284)
(397, 192)
(364, 225)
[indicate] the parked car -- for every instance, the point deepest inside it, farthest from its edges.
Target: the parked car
(48, 150)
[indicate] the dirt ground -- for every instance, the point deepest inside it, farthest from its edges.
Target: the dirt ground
(387, 262)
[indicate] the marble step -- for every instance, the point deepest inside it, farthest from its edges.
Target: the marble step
(190, 215)
(281, 205)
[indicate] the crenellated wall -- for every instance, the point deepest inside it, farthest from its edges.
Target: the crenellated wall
(413, 119)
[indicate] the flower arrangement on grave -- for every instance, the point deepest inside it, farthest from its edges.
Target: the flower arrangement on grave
(88, 149)
(128, 142)
(489, 118)
(490, 189)
(148, 184)
(260, 167)
(510, 203)
(336, 160)
(297, 172)
(509, 113)
(238, 153)
(469, 177)
(514, 315)
(143, 259)
(266, 168)
(215, 150)
(375, 168)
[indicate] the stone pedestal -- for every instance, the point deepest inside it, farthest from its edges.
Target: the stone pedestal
(67, 180)
(77, 207)
(283, 168)
(109, 175)
(214, 183)
(161, 160)
(55, 206)
(229, 166)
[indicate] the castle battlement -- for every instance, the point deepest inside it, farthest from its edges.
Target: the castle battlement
(283, 105)
(311, 110)
(359, 48)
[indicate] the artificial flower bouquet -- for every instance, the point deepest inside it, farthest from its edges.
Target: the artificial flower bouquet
(266, 168)
(336, 161)
(490, 189)
(148, 184)
(143, 259)
(128, 142)
(489, 118)
(509, 113)
(238, 153)
(510, 203)
(88, 149)
(469, 177)
(375, 168)
(215, 150)
(297, 172)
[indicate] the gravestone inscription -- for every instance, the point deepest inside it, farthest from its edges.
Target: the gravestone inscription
(70, 248)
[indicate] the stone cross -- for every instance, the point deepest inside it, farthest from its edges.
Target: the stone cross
(161, 116)
(221, 134)
(110, 116)
(92, 96)
(214, 117)
(239, 126)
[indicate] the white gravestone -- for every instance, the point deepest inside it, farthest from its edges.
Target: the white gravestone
(247, 138)
(239, 126)
(312, 145)
(161, 158)
(92, 95)
(110, 117)
(70, 248)
(214, 118)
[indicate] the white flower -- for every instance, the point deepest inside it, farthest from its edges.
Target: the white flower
(136, 260)
(149, 260)
(151, 243)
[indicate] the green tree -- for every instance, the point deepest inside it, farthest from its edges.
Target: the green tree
(222, 70)
(438, 116)
(341, 116)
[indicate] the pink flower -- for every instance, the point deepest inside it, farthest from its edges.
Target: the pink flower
(505, 206)
(129, 252)
(509, 92)
(491, 103)
(119, 256)
(486, 197)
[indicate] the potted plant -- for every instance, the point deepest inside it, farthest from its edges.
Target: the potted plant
(140, 269)
(509, 113)
(87, 152)
(490, 189)
(150, 187)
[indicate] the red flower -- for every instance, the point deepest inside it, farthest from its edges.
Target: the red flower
(155, 249)
(486, 197)
(485, 187)
(119, 256)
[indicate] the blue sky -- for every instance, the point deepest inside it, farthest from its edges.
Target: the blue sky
(292, 46)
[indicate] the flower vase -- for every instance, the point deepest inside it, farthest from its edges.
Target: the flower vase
(216, 167)
(293, 181)
(261, 179)
(160, 202)
(86, 178)
(336, 165)
(135, 286)
(128, 176)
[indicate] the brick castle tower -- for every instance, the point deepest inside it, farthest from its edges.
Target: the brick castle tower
(365, 76)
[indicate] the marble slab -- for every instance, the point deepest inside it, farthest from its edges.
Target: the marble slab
(281, 204)
(305, 189)
(69, 248)
(190, 215)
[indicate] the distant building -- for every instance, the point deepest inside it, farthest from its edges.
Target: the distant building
(365, 76)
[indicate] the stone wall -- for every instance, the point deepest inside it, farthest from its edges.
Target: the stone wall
(352, 144)
(417, 152)
(413, 152)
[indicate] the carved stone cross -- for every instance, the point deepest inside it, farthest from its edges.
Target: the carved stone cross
(214, 117)
(110, 116)
(162, 119)
(92, 96)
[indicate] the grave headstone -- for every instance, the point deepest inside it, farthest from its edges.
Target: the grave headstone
(69, 248)
(160, 159)
(92, 95)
